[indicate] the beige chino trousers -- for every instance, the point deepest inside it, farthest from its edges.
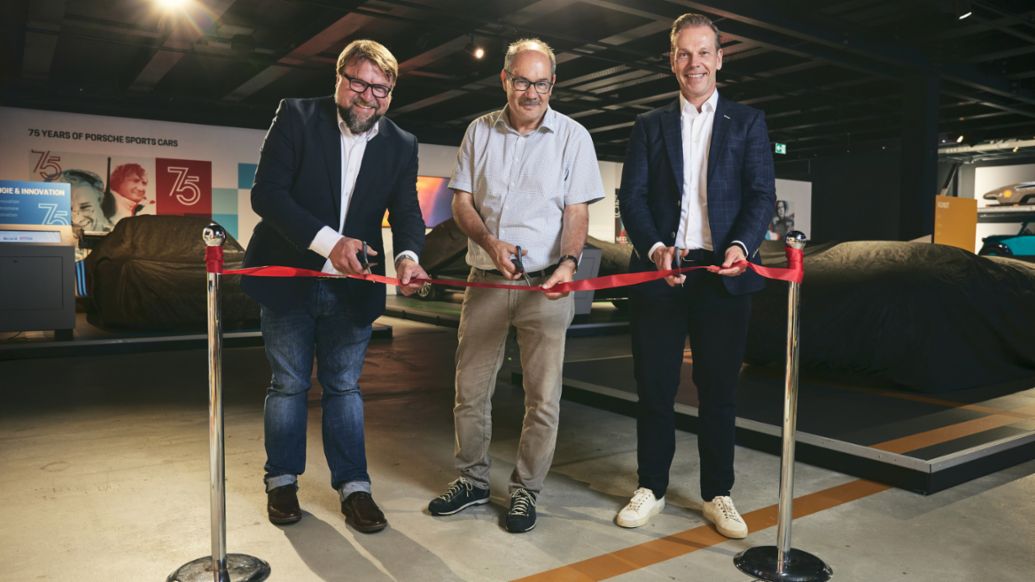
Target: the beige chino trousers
(485, 320)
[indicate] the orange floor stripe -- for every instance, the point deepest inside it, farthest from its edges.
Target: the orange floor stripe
(649, 553)
(1028, 413)
(952, 432)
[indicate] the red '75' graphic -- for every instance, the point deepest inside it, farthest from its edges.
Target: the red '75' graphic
(184, 186)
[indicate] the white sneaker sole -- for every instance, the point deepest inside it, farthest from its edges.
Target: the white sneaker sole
(630, 523)
(463, 507)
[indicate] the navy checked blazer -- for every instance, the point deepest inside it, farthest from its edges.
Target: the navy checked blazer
(298, 190)
(741, 184)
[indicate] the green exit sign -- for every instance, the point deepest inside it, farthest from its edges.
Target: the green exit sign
(781, 148)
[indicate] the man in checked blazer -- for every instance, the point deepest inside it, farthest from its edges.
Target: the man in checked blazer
(697, 189)
(329, 169)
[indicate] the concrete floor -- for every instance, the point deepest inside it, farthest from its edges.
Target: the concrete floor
(104, 476)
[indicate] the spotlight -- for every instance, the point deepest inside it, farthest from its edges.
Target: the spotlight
(959, 139)
(171, 4)
(478, 53)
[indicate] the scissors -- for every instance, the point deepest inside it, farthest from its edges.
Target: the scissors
(364, 259)
(519, 267)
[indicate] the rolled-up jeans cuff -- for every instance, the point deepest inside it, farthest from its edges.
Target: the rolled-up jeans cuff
(352, 487)
(279, 481)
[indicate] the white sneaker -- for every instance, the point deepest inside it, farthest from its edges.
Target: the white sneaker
(640, 508)
(721, 512)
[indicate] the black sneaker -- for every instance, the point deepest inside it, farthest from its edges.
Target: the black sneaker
(521, 517)
(460, 495)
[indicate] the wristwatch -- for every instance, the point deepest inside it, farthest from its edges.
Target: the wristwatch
(574, 260)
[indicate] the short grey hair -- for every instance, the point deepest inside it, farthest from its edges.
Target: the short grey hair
(529, 44)
(692, 19)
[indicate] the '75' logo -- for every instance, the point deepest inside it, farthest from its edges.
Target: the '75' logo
(185, 189)
(48, 165)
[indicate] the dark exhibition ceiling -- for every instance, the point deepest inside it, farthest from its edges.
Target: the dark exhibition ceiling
(831, 76)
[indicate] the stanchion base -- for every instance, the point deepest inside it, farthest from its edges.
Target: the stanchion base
(800, 566)
(239, 568)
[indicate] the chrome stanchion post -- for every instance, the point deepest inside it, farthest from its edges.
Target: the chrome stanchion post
(219, 567)
(782, 562)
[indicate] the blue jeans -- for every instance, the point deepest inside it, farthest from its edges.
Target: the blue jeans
(322, 326)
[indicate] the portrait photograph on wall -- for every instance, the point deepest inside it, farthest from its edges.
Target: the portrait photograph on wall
(793, 209)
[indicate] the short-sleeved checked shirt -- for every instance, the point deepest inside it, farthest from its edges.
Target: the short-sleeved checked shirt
(521, 183)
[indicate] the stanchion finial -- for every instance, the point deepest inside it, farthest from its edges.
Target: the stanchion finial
(796, 239)
(215, 235)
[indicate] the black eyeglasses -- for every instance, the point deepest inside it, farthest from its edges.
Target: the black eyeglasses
(359, 86)
(522, 84)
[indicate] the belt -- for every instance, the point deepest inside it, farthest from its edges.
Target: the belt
(698, 256)
(531, 274)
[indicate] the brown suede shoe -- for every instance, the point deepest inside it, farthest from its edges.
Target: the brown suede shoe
(282, 505)
(362, 513)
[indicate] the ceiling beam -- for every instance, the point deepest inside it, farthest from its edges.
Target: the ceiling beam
(332, 36)
(42, 30)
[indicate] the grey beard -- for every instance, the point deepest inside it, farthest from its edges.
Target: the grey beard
(355, 125)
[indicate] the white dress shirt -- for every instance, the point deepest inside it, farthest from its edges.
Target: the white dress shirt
(353, 146)
(694, 231)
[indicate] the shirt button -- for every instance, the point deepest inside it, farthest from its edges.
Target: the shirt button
(673, 234)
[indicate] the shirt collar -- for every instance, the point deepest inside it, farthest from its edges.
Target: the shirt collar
(345, 131)
(124, 203)
(687, 108)
(549, 122)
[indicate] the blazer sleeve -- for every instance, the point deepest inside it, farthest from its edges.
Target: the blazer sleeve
(279, 163)
(404, 210)
(633, 194)
(757, 187)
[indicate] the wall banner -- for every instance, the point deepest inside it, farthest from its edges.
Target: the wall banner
(35, 203)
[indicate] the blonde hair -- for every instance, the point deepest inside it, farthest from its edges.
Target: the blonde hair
(529, 44)
(692, 19)
(372, 51)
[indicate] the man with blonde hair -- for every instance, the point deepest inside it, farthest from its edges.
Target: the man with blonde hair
(329, 169)
(525, 176)
(698, 187)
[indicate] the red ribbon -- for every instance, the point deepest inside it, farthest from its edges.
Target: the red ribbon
(213, 259)
(794, 273)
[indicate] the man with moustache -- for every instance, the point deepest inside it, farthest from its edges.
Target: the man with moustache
(524, 178)
(329, 169)
(698, 188)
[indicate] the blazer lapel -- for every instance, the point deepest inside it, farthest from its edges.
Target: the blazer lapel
(330, 146)
(720, 131)
(671, 128)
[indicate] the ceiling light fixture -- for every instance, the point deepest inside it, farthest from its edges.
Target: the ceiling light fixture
(959, 139)
(478, 53)
(962, 9)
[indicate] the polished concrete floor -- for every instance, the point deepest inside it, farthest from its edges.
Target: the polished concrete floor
(104, 476)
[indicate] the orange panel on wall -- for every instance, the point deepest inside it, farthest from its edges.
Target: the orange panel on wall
(955, 221)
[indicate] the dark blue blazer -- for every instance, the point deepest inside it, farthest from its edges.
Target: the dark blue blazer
(741, 184)
(297, 191)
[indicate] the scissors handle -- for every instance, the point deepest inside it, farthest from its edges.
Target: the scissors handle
(519, 267)
(364, 257)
